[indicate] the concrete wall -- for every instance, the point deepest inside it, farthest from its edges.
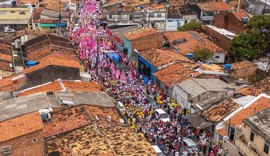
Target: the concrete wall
(53, 72)
(180, 96)
(229, 22)
(14, 13)
(221, 40)
(257, 144)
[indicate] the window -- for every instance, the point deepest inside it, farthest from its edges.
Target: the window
(158, 15)
(151, 15)
(232, 131)
(208, 13)
(12, 11)
(22, 13)
(217, 57)
(251, 136)
(266, 148)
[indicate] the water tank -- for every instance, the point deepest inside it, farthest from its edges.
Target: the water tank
(189, 56)
(31, 63)
(13, 3)
(244, 19)
(228, 66)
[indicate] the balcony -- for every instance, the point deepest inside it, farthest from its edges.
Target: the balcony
(244, 148)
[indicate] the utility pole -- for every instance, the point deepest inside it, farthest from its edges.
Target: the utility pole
(238, 5)
(265, 3)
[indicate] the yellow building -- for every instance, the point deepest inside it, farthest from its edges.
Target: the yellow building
(255, 140)
(14, 17)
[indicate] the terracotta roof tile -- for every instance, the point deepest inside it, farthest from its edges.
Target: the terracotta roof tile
(102, 112)
(5, 66)
(222, 132)
(217, 112)
(65, 120)
(11, 36)
(240, 15)
(242, 65)
(175, 73)
(260, 87)
(188, 41)
(161, 57)
(5, 49)
(56, 87)
(259, 105)
(19, 126)
(6, 57)
(214, 6)
(27, 1)
(48, 21)
(7, 85)
(139, 33)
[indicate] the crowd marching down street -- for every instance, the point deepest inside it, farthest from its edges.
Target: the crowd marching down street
(129, 88)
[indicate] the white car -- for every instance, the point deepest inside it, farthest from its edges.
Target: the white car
(190, 144)
(121, 106)
(162, 115)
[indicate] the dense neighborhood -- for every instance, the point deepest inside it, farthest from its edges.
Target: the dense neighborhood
(134, 78)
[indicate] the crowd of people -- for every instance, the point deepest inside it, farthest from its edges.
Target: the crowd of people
(131, 89)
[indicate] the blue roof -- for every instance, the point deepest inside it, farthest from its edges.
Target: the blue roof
(114, 56)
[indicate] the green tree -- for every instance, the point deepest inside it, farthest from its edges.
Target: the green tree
(202, 54)
(254, 41)
(191, 26)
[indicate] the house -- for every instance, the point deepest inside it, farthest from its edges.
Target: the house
(255, 138)
(175, 73)
(54, 66)
(6, 61)
(150, 61)
(22, 134)
(220, 36)
(256, 89)
(14, 17)
(142, 39)
(186, 42)
(231, 21)
(207, 92)
(117, 35)
(234, 123)
(62, 85)
(46, 44)
(156, 16)
(65, 140)
(243, 69)
(39, 100)
(258, 7)
(209, 9)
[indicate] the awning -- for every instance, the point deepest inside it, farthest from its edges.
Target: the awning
(198, 121)
(53, 24)
(114, 56)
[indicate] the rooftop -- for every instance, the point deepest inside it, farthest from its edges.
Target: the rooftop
(161, 57)
(65, 120)
(47, 40)
(218, 112)
(188, 41)
(261, 123)
(203, 86)
(19, 126)
(102, 139)
(21, 105)
(174, 73)
(27, 1)
(243, 65)
(212, 67)
(254, 107)
(6, 57)
(121, 31)
(222, 31)
(5, 49)
(214, 6)
(11, 36)
(240, 15)
(222, 132)
(258, 88)
(11, 6)
(62, 85)
(139, 33)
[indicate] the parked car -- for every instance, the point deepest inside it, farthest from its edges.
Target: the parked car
(158, 150)
(120, 106)
(190, 145)
(162, 115)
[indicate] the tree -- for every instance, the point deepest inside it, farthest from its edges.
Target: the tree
(202, 54)
(254, 41)
(191, 26)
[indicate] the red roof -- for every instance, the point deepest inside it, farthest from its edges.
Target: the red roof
(140, 33)
(214, 6)
(19, 126)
